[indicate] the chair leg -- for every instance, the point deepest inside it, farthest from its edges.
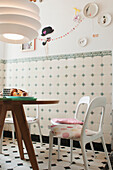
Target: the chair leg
(40, 133)
(50, 149)
(59, 141)
(106, 153)
(92, 148)
(1, 139)
(84, 156)
(13, 133)
(1, 145)
(71, 151)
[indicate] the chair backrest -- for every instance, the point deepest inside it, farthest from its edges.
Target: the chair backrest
(98, 102)
(83, 100)
(33, 109)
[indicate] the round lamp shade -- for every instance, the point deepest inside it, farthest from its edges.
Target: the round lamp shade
(19, 21)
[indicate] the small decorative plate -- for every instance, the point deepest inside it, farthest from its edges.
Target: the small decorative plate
(90, 10)
(104, 19)
(82, 42)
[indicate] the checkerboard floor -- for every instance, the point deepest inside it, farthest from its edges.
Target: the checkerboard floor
(10, 159)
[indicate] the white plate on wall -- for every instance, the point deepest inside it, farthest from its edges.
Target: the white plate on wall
(105, 19)
(82, 42)
(90, 10)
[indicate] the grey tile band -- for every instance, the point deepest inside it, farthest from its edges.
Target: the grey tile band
(58, 57)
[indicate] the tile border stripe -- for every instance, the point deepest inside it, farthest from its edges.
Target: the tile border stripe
(58, 57)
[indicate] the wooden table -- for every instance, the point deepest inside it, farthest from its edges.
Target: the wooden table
(20, 123)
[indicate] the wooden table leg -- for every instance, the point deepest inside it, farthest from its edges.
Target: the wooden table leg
(2, 117)
(21, 119)
(19, 137)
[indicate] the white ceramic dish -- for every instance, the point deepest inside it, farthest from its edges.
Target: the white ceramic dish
(82, 42)
(105, 19)
(90, 10)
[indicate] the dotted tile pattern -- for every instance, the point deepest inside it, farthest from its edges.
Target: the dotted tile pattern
(63, 77)
(10, 158)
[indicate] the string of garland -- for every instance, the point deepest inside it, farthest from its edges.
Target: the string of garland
(66, 34)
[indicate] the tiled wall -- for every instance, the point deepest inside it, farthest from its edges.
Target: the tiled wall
(63, 77)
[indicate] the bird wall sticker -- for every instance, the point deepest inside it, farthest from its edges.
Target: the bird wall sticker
(76, 10)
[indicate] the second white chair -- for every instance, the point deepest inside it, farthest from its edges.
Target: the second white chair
(30, 121)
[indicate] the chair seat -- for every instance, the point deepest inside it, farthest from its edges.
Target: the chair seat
(31, 119)
(9, 120)
(70, 132)
(66, 121)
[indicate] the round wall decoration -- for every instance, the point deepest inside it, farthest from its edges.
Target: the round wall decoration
(104, 19)
(90, 10)
(82, 42)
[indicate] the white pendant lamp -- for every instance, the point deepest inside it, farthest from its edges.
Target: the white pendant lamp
(19, 21)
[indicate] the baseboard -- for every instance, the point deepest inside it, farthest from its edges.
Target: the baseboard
(64, 142)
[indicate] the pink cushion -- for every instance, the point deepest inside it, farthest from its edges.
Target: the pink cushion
(67, 121)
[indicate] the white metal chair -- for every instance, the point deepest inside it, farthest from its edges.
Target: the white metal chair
(83, 100)
(82, 133)
(30, 121)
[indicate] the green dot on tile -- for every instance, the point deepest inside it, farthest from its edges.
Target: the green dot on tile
(101, 64)
(92, 65)
(58, 76)
(92, 112)
(83, 93)
(83, 84)
(65, 111)
(102, 74)
(92, 122)
(82, 112)
(101, 84)
(66, 67)
(74, 75)
(92, 84)
(92, 74)
(83, 65)
(83, 75)
(74, 66)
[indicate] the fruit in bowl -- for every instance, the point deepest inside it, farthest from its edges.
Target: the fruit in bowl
(18, 92)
